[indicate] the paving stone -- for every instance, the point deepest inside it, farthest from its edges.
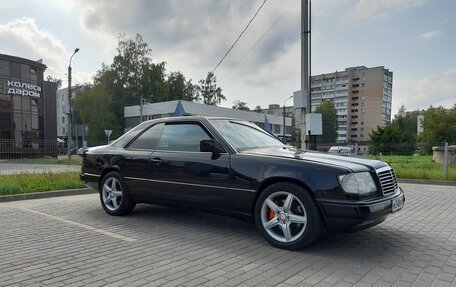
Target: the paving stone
(173, 247)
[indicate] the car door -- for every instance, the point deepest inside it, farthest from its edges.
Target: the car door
(181, 173)
(134, 161)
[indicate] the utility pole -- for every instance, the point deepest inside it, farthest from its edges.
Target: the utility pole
(69, 106)
(283, 114)
(305, 62)
(69, 114)
(141, 108)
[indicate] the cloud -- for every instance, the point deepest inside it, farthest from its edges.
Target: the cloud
(374, 10)
(427, 36)
(25, 39)
(435, 90)
(194, 35)
(24, 34)
(204, 26)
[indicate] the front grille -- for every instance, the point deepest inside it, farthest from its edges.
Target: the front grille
(387, 179)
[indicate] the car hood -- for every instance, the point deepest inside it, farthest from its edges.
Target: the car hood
(345, 161)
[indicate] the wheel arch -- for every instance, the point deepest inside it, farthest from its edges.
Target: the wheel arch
(105, 172)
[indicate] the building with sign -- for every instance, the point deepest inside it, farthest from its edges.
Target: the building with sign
(27, 106)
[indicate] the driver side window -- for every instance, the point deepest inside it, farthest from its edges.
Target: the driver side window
(182, 137)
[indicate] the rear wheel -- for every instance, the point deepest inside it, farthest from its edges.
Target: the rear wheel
(287, 216)
(114, 196)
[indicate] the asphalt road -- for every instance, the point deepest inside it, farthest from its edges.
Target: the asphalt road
(71, 241)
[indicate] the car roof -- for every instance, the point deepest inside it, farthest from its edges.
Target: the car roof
(190, 118)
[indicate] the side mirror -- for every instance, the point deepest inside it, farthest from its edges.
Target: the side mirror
(211, 146)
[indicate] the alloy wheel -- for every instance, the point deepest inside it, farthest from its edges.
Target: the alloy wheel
(112, 193)
(283, 216)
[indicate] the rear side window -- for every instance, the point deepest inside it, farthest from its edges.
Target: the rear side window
(182, 137)
(128, 136)
(148, 139)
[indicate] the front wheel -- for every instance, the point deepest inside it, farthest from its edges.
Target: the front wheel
(287, 216)
(114, 196)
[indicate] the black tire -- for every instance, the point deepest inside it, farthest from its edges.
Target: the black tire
(302, 209)
(123, 203)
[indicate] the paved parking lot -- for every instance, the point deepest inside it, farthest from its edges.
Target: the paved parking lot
(70, 241)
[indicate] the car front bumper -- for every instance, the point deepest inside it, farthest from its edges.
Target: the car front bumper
(350, 215)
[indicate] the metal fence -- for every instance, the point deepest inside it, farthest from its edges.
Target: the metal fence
(51, 157)
(430, 155)
(387, 149)
(38, 157)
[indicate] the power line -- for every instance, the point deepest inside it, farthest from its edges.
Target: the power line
(239, 37)
(264, 34)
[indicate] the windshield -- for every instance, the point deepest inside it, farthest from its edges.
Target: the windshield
(245, 135)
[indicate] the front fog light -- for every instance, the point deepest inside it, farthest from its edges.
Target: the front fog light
(357, 183)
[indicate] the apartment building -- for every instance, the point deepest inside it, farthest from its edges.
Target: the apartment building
(277, 110)
(362, 97)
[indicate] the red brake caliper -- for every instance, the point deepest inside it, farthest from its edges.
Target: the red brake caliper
(271, 214)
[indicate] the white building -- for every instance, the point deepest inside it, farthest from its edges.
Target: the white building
(62, 109)
(167, 109)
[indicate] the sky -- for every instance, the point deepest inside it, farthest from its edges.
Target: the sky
(416, 39)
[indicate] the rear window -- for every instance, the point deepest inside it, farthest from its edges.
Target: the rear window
(148, 139)
(128, 136)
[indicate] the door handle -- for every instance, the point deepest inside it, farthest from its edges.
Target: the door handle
(156, 161)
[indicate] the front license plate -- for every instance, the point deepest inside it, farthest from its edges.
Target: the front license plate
(397, 204)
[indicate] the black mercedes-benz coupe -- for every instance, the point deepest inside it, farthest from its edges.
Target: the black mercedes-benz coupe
(235, 168)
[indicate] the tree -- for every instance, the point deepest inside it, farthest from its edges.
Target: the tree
(329, 122)
(132, 76)
(50, 78)
(258, 109)
(154, 84)
(94, 107)
(439, 125)
(129, 67)
(398, 137)
(209, 93)
(238, 105)
(408, 120)
(180, 89)
(133, 56)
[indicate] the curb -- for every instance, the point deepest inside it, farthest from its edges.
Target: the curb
(46, 194)
(425, 181)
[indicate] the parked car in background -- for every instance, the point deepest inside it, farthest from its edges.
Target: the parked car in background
(341, 150)
(81, 150)
(235, 168)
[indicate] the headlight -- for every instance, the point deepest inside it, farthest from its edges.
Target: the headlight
(357, 183)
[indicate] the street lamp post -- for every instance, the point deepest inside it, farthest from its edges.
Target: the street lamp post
(284, 102)
(69, 105)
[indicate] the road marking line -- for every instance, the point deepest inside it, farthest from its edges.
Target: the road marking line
(85, 226)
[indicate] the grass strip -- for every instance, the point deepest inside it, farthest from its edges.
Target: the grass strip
(418, 167)
(27, 183)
